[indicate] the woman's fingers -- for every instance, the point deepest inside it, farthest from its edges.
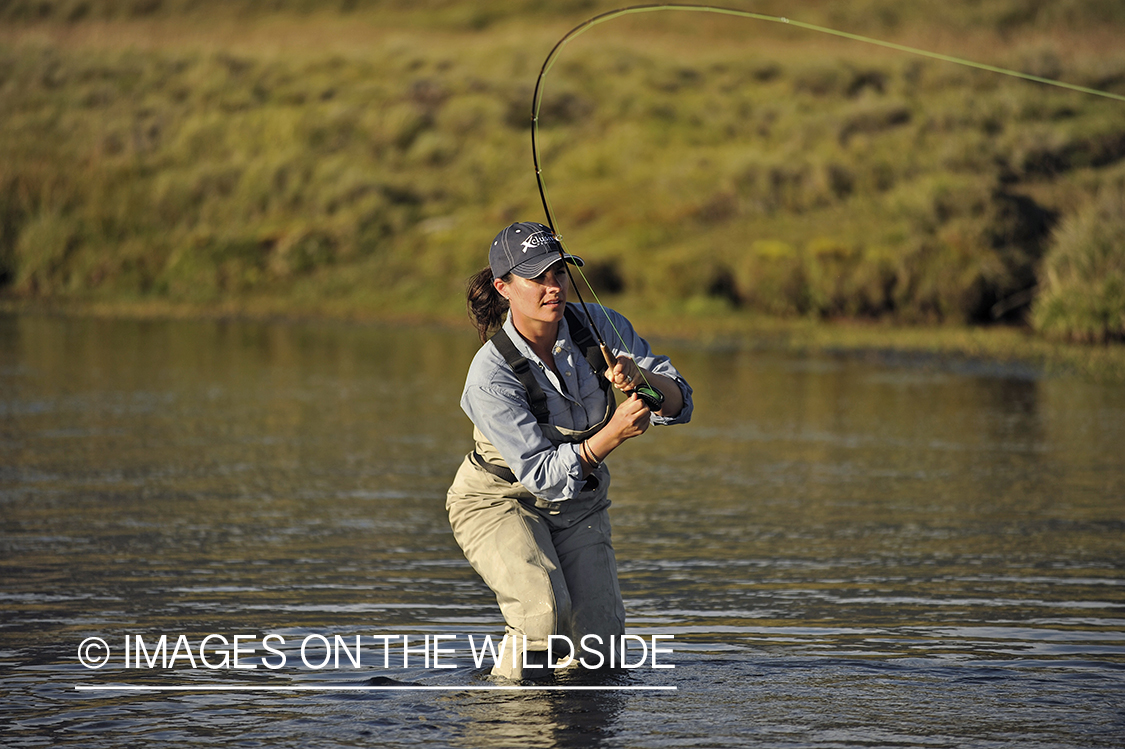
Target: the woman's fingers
(634, 417)
(641, 422)
(625, 374)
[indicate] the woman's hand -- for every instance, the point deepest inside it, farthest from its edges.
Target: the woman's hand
(631, 419)
(625, 374)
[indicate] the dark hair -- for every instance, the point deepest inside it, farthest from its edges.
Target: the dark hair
(486, 307)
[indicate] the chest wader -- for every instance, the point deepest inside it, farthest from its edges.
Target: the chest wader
(550, 564)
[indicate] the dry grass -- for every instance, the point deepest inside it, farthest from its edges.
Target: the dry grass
(355, 164)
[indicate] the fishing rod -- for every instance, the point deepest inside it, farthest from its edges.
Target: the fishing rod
(650, 395)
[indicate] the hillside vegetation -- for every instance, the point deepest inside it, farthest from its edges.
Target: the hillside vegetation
(357, 160)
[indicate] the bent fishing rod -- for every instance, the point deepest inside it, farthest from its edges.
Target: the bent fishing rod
(652, 397)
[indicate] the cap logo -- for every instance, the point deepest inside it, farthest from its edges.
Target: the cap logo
(536, 240)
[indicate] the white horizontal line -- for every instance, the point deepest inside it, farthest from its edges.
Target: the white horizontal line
(231, 688)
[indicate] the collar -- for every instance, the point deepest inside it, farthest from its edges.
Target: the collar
(562, 342)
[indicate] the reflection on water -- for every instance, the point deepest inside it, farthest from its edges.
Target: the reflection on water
(847, 552)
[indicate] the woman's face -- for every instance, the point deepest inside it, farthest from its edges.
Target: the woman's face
(539, 299)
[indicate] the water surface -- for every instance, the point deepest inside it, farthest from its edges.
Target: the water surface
(847, 552)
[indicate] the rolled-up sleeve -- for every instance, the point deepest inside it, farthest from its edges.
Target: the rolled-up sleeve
(623, 339)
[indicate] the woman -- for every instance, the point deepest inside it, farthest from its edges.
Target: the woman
(529, 504)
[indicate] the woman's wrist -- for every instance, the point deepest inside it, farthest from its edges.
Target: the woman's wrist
(591, 457)
(601, 445)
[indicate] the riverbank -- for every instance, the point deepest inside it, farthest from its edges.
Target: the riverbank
(731, 181)
(697, 160)
(1009, 348)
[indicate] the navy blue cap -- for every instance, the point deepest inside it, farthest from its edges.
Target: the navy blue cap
(526, 249)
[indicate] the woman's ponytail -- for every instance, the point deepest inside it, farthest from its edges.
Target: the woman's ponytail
(486, 307)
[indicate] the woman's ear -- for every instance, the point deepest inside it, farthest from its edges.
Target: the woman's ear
(500, 286)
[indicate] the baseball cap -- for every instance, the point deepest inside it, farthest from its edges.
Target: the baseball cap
(526, 249)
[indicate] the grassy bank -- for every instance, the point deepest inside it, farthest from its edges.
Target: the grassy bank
(355, 162)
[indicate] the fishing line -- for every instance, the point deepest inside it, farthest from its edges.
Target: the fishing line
(537, 100)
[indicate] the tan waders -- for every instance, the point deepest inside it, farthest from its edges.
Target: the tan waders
(550, 564)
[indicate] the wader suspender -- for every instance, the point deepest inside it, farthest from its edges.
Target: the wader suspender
(536, 398)
(582, 338)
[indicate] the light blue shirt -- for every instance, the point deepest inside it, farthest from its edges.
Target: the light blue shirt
(497, 402)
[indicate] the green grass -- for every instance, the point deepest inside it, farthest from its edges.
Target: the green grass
(1083, 298)
(356, 161)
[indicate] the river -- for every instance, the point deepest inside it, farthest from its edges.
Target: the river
(835, 552)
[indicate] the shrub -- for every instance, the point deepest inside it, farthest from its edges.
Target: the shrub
(45, 247)
(1082, 281)
(771, 277)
